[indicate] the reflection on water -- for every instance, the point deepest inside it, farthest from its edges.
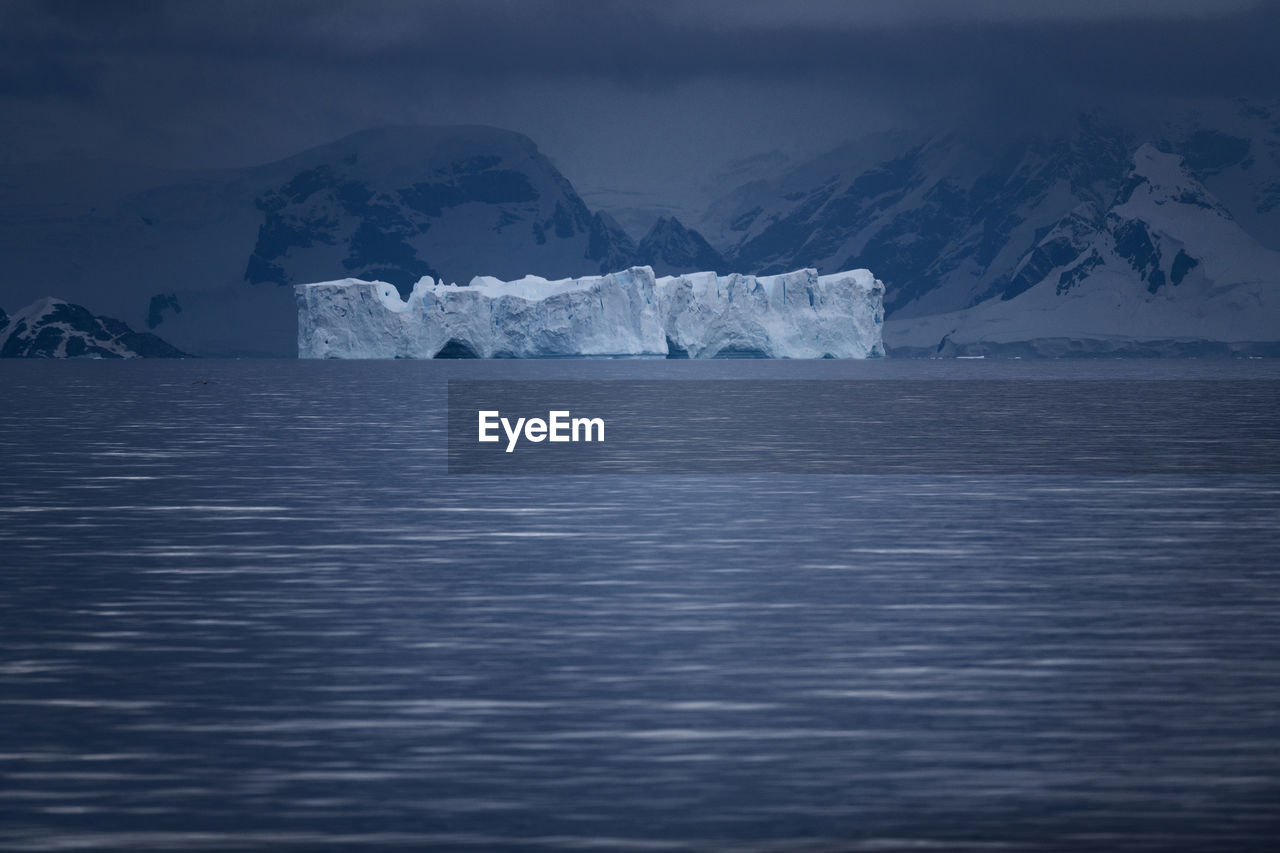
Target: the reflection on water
(253, 611)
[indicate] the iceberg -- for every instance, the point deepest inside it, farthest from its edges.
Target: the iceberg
(798, 314)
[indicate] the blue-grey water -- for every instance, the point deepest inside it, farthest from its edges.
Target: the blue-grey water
(242, 605)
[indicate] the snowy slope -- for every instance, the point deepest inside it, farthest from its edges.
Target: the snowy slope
(203, 257)
(941, 219)
(639, 202)
(1166, 263)
(54, 328)
(406, 202)
(949, 221)
(1233, 148)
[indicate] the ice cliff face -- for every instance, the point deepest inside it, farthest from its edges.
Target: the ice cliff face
(793, 315)
(615, 314)
(630, 313)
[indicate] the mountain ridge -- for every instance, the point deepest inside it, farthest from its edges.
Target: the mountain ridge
(54, 328)
(1165, 262)
(948, 223)
(204, 257)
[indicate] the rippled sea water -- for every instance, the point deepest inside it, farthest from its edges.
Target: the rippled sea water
(243, 605)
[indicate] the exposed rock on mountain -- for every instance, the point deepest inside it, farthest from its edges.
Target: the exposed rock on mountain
(53, 328)
(203, 257)
(1165, 269)
(670, 248)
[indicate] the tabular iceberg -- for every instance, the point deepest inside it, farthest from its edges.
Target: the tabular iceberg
(631, 313)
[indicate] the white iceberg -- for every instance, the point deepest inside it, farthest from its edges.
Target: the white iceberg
(631, 313)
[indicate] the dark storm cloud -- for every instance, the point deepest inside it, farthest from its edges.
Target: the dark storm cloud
(167, 66)
(1147, 45)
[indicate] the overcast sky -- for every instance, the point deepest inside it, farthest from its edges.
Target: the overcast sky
(614, 91)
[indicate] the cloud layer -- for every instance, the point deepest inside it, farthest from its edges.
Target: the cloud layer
(221, 83)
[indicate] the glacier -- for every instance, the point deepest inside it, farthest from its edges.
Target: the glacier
(799, 314)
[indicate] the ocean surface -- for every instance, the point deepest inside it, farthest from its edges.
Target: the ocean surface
(243, 605)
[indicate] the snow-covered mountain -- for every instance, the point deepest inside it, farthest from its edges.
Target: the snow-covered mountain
(398, 204)
(203, 257)
(638, 203)
(950, 223)
(940, 219)
(53, 328)
(946, 221)
(671, 249)
(1165, 269)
